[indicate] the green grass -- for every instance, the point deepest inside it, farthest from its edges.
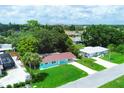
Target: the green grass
(90, 63)
(117, 83)
(79, 46)
(60, 75)
(114, 57)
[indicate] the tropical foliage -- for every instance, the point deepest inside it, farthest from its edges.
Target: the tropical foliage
(31, 59)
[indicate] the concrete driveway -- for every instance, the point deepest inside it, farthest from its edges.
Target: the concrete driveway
(84, 68)
(14, 75)
(97, 79)
(104, 63)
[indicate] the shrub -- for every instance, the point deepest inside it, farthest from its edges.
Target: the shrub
(120, 48)
(4, 73)
(27, 82)
(9, 86)
(16, 85)
(39, 77)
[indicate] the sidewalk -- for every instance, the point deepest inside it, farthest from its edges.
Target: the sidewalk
(97, 79)
(84, 68)
(104, 63)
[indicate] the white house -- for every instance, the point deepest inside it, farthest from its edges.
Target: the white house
(4, 47)
(93, 51)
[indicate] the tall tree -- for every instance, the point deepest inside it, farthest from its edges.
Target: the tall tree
(32, 60)
(27, 43)
(102, 35)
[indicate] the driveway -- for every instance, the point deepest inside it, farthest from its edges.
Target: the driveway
(84, 68)
(97, 79)
(104, 63)
(14, 75)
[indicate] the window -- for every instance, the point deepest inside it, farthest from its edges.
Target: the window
(53, 62)
(46, 63)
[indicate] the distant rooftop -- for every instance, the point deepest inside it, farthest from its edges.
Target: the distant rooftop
(90, 49)
(4, 47)
(70, 33)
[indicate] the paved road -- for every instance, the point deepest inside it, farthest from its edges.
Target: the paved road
(104, 63)
(97, 79)
(84, 68)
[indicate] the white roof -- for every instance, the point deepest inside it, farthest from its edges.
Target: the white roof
(76, 39)
(90, 49)
(4, 47)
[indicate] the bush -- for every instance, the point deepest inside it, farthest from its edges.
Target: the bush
(4, 73)
(39, 77)
(18, 85)
(21, 84)
(120, 48)
(9, 86)
(28, 82)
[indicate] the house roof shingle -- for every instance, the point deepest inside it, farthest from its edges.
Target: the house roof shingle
(60, 56)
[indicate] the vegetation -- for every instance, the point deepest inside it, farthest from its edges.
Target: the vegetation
(31, 59)
(90, 63)
(120, 48)
(27, 44)
(59, 75)
(79, 46)
(4, 73)
(9, 86)
(117, 83)
(114, 57)
(51, 41)
(102, 35)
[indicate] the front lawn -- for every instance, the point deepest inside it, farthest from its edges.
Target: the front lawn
(114, 57)
(117, 83)
(90, 63)
(60, 75)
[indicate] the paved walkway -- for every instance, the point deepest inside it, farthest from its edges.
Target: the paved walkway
(104, 63)
(84, 68)
(97, 79)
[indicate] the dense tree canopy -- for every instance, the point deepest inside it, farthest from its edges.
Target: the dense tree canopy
(51, 41)
(27, 44)
(102, 35)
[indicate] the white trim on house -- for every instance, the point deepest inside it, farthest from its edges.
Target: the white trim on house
(93, 51)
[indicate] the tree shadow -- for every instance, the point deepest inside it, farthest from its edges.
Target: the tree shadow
(39, 77)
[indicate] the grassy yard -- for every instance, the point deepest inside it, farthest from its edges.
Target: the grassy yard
(117, 83)
(114, 57)
(90, 63)
(59, 75)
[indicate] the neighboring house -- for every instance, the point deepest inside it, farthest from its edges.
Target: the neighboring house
(76, 40)
(56, 59)
(1, 68)
(6, 61)
(93, 51)
(5, 47)
(75, 36)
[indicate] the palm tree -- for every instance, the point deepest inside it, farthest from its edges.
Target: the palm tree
(32, 60)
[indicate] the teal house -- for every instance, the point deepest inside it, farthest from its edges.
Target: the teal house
(56, 59)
